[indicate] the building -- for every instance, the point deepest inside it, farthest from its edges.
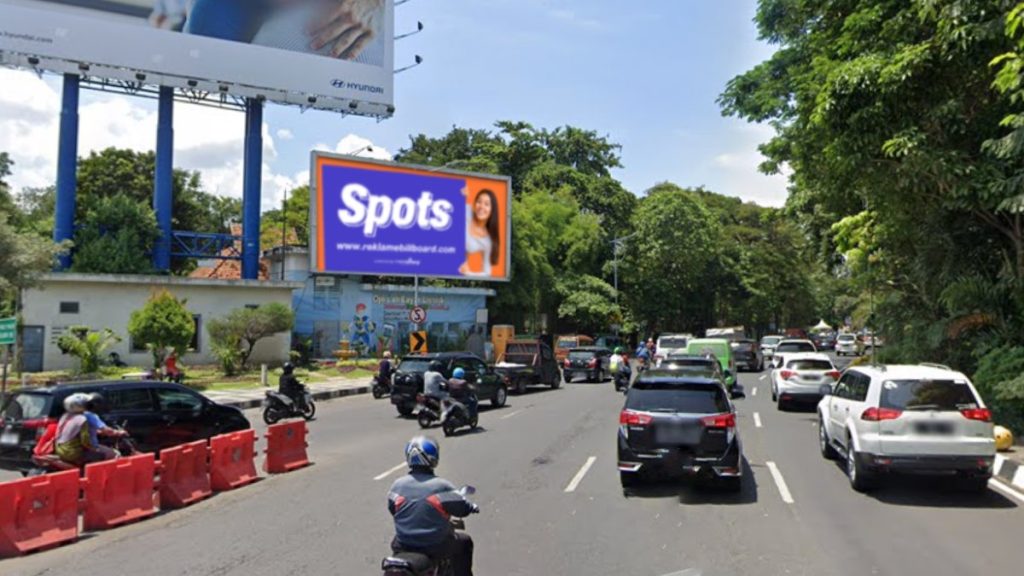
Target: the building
(107, 300)
(376, 317)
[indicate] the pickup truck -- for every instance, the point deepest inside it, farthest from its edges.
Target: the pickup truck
(528, 363)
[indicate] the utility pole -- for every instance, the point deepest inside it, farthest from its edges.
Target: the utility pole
(616, 245)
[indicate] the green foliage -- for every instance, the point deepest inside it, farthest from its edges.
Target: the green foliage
(235, 335)
(23, 259)
(162, 325)
(588, 304)
(293, 219)
(1001, 384)
(116, 236)
(87, 346)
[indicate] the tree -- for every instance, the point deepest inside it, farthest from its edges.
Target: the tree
(87, 346)
(237, 333)
(116, 236)
(162, 325)
(23, 259)
(588, 304)
(294, 220)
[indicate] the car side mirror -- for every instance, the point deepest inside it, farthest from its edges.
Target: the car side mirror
(737, 393)
(825, 390)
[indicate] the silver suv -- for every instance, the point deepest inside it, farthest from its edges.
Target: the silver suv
(921, 419)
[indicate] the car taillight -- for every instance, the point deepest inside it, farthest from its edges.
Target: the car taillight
(38, 424)
(980, 414)
(631, 418)
(834, 374)
(719, 421)
(567, 363)
(787, 374)
(592, 363)
(879, 414)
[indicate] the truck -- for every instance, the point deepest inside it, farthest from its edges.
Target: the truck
(528, 363)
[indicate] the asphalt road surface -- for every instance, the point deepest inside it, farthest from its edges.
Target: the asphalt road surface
(545, 511)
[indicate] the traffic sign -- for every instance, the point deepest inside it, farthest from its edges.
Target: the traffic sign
(418, 342)
(8, 330)
(417, 315)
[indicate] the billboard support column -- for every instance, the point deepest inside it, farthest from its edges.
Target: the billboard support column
(67, 167)
(163, 191)
(251, 192)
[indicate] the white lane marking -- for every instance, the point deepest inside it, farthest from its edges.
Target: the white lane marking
(780, 482)
(763, 376)
(993, 483)
(389, 472)
(507, 416)
(579, 475)
(757, 420)
(754, 391)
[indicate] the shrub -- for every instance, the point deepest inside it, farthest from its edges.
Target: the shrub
(87, 346)
(1001, 384)
(235, 336)
(161, 325)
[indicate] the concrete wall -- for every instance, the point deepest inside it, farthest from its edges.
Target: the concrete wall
(107, 301)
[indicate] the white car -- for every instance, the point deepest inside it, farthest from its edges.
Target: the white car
(847, 345)
(923, 419)
(669, 344)
(768, 344)
(800, 376)
(790, 346)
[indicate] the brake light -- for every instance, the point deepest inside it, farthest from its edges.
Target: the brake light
(719, 421)
(787, 374)
(38, 424)
(592, 363)
(979, 414)
(567, 364)
(631, 418)
(880, 414)
(834, 374)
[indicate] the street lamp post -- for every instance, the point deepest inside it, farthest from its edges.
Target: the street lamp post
(616, 245)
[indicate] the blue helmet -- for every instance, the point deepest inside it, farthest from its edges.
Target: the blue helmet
(422, 452)
(459, 373)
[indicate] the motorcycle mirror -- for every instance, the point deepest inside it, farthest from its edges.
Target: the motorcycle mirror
(467, 490)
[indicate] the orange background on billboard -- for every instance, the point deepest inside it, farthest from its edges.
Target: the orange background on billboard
(473, 185)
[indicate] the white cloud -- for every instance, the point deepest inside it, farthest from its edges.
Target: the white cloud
(571, 17)
(356, 145)
(285, 134)
(740, 173)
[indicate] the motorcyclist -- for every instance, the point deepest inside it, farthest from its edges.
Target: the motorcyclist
(435, 385)
(74, 441)
(97, 427)
(620, 365)
(421, 504)
(386, 369)
(290, 386)
(461, 390)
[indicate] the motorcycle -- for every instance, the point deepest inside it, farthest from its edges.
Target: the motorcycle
(380, 388)
(277, 406)
(417, 564)
(123, 447)
(622, 379)
(459, 411)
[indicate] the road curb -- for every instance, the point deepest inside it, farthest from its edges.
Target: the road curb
(321, 395)
(1009, 472)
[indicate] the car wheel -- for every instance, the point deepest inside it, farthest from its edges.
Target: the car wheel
(975, 484)
(774, 395)
(499, 398)
(827, 451)
(780, 405)
(860, 479)
(629, 479)
(556, 381)
(567, 376)
(405, 410)
(521, 386)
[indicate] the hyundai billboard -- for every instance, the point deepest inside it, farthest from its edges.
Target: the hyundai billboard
(335, 54)
(387, 219)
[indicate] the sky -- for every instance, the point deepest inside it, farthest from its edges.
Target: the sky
(645, 74)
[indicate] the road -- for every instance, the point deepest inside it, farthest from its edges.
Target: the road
(538, 520)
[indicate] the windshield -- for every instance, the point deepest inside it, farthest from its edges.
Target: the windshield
(806, 364)
(684, 398)
(581, 354)
(795, 347)
(672, 342)
(846, 338)
(25, 406)
(940, 395)
(770, 340)
(567, 343)
(414, 365)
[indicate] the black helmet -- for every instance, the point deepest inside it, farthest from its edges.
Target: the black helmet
(96, 403)
(288, 368)
(435, 366)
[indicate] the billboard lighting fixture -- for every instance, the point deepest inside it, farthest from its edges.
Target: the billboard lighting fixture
(223, 88)
(83, 67)
(391, 109)
(33, 61)
(192, 83)
(419, 28)
(353, 104)
(419, 60)
(311, 99)
(140, 77)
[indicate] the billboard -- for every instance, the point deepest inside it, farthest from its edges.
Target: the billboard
(331, 54)
(388, 219)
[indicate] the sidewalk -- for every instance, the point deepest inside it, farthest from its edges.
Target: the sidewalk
(252, 398)
(1009, 467)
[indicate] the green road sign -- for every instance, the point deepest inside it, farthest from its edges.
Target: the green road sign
(8, 329)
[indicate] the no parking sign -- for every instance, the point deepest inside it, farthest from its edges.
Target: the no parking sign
(417, 315)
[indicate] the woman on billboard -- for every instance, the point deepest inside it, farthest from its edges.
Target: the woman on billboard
(483, 240)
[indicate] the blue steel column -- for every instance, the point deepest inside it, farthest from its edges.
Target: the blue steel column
(251, 188)
(67, 167)
(163, 192)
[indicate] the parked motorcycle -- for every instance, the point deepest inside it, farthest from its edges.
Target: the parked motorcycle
(381, 388)
(418, 564)
(277, 406)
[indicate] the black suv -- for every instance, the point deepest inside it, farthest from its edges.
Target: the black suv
(408, 380)
(747, 355)
(592, 361)
(157, 414)
(675, 424)
(694, 365)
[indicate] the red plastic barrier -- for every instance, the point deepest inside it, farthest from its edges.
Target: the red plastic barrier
(232, 460)
(286, 447)
(38, 512)
(184, 475)
(119, 491)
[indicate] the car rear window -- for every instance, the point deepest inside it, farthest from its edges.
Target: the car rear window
(809, 365)
(795, 347)
(521, 349)
(705, 363)
(26, 406)
(581, 354)
(743, 346)
(672, 342)
(669, 397)
(417, 365)
(927, 395)
(770, 340)
(847, 338)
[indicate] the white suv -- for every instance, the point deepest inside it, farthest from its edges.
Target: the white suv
(800, 377)
(922, 419)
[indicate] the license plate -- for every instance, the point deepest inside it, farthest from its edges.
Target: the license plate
(10, 438)
(678, 435)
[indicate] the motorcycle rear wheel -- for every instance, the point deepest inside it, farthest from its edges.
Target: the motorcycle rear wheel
(448, 428)
(270, 415)
(425, 419)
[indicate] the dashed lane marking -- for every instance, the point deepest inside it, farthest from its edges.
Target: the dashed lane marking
(579, 475)
(754, 391)
(780, 482)
(389, 472)
(763, 376)
(507, 416)
(757, 420)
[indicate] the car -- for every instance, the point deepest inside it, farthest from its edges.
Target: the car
(790, 346)
(705, 366)
(721, 350)
(768, 344)
(748, 355)
(528, 363)
(675, 424)
(849, 345)
(157, 414)
(408, 379)
(593, 362)
(568, 342)
(824, 340)
(800, 377)
(923, 419)
(668, 344)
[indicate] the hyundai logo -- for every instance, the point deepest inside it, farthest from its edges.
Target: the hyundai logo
(338, 83)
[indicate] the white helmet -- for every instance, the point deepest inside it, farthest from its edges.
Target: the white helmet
(76, 403)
